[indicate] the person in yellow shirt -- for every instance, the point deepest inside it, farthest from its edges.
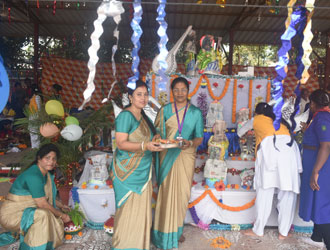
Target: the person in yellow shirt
(277, 168)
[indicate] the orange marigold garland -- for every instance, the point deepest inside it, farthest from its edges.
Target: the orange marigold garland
(220, 242)
(250, 97)
(171, 94)
(223, 206)
(233, 115)
(191, 94)
(153, 88)
(224, 91)
(268, 91)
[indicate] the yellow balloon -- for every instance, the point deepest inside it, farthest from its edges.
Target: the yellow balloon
(54, 107)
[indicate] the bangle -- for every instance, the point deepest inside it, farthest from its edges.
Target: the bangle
(142, 145)
(191, 143)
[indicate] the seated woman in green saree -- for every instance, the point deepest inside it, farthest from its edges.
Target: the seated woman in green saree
(30, 208)
(179, 120)
(131, 173)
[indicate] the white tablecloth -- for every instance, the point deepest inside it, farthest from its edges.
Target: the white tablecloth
(97, 204)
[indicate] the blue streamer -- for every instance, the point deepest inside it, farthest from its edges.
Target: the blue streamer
(163, 52)
(4, 86)
(300, 33)
(137, 32)
(282, 63)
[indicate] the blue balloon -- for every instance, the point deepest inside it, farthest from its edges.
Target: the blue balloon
(4, 87)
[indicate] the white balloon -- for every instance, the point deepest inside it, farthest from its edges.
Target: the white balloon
(72, 132)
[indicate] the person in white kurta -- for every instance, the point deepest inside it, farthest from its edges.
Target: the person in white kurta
(277, 168)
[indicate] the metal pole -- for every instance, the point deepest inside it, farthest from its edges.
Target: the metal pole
(231, 52)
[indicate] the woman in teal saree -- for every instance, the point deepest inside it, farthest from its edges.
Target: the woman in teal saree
(131, 173)
(179, 120)
(30, 208)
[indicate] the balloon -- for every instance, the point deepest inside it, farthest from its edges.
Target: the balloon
(54, 107)
(72, 132)
(71, 120)
(49, 130)
(4, 86)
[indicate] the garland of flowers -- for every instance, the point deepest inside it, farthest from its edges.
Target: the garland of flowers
(224, 91)
(191, 94)
(171, 94)
(153, 89)
(204, 226)
(220, 204)
(233, 115)
(250, 98)
(269, 85)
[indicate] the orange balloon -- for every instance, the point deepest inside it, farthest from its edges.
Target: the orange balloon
(49, 130)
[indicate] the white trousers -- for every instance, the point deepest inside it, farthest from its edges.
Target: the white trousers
(286, 207)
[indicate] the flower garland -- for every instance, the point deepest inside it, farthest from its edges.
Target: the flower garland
(250, 98)
(220, 204)
(227, 227)
(171, 94)
(153, 88)
(191, 94)
(224, 91)
(220, 242)
(233, 113)
(269, 85)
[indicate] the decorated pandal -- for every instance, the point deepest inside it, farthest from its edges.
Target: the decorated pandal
(222, 195)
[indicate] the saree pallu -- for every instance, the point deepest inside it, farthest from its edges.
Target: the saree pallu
(174, 175)
(131, 175)
(39, 228)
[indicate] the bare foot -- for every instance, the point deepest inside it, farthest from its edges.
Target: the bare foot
(282, 237)
(182, 239)
(249, 232)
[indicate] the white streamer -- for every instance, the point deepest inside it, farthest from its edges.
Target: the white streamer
(113, 9)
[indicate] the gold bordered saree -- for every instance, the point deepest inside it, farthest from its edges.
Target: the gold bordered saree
(39, 228)
(174, 175)
(131, 175)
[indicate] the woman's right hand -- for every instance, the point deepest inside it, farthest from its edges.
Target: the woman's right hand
(153, 146)
(65, 218)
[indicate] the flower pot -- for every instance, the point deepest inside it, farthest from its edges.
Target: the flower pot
(64, 193)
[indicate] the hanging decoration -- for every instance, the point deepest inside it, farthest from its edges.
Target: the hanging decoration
(220, 204)
(233, 115)
(163, 52)
(281, 67)
(137, 32)
(250, 98)
(114, 9)
(202, 104)
(54, 7)
(117, 20)
(308, 37)
(4, 86)
(9, 19)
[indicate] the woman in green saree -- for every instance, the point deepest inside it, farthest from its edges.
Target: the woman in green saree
(131, 173)
(179, 120)
(30, 208)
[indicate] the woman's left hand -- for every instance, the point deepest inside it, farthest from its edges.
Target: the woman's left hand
(313, 181)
